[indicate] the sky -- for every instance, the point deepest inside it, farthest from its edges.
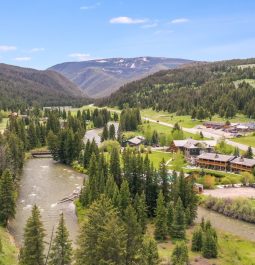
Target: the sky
(42, 33)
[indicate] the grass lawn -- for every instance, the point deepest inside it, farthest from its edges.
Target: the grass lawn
(247, 140)
(157, 156)
(3, 124)
(9, 256)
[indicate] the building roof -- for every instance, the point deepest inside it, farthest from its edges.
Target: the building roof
(244, 161)
(191, 143)
(216, 157)
(136, 140)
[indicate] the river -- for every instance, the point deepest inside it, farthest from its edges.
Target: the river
(44, 183)
(236, 227)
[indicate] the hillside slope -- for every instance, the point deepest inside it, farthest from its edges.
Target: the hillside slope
(23, 85)
(99, 78)
(221, 87)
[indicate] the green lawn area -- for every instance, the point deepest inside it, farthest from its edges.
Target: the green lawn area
(9, 256)
(247, 140)
(3, 124)
(186, 121)
(157, 156)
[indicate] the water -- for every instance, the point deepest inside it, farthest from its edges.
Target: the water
(45, 183)
(236, 227)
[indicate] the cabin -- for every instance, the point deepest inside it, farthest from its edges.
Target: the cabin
(135, 141)
(215, 161)
(241, 164)
(191, 147)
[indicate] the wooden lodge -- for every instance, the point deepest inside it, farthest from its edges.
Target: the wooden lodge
(191, 147)
(240, 164)
(135, 141)
(215, 161)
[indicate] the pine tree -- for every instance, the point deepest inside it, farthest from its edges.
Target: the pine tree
(178, 225)
(124, 196)
(102, 238)
(249, 153)
(7, 197)
(112, 132)
(150, 254)
(161, 218)
(33, 249)
(134, 236)
(209, 248)
(105, 134)
(115, 169)
(164, 180)
(197, 240)
(170, 216)
(180, 254)
(61, 251)
(141, 210)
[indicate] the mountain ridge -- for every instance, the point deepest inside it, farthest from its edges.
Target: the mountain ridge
(101, 77)
(26, 85)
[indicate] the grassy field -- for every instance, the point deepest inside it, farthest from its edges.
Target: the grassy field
(247, 140)
(157, 156)
(3, 124)
(10, 252)
(249, 81)
(232, 250)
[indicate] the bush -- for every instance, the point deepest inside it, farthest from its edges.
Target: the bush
(238, 208)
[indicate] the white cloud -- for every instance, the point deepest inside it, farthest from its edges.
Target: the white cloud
(37, 50)
(180, 20)
(127, 20)
(22, 59)
(90, 7)
(148, 26)
(80, 56)
(6, 48)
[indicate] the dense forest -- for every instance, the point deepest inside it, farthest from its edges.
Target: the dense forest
(22, 87)
(202, 90)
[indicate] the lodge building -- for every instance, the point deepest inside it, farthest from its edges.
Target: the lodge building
(225, 162)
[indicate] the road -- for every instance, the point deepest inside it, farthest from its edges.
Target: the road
(207, 133)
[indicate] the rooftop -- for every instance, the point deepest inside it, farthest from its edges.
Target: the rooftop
(216, 157)
(244, 161)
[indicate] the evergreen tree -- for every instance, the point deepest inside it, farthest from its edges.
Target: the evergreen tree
(61, 251)
(209, 248)
(33, 249)
(249, 153)
(141, 210)
(102, 238)
(236, 151)
(134, 236)
(105, 134)
(150, 254)
(115, 169)
(178, 225)
(170, 216)
(197, 240)
(124, 196)
(7, 197)
(164, 180)
(180, 254)
(112, 132)
(161, 218)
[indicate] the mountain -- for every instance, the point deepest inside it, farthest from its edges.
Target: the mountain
(224, 88)
(24, 86)
(100, 78)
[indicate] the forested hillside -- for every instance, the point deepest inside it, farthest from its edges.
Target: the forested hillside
(224, 88)
(22, 86)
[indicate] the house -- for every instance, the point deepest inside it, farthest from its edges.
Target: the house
(191, 147)
(214, 125)
(215, 161)
(240, 164)
(135, 141)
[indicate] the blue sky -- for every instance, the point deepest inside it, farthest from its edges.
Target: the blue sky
(41, 33)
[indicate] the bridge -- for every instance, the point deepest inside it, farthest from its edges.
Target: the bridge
(40, 154)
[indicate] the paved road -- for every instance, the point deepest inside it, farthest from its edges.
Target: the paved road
(206, 133)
